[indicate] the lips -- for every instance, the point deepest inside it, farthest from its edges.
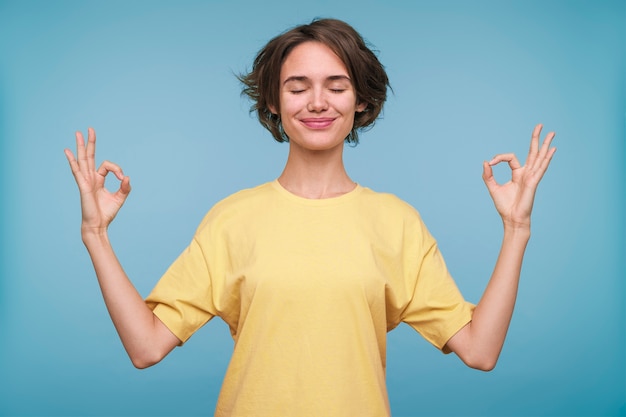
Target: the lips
(317, 122)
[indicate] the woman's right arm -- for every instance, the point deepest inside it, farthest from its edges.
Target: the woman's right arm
(146, 339)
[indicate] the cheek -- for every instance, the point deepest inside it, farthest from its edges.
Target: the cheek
(290, 105)
(349, 105)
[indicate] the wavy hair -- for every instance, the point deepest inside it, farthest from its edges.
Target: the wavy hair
(370, 81)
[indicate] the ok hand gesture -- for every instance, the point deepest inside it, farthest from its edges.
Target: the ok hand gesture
(514, 199)
(99, 206)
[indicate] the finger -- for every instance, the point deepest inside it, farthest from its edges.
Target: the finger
(488, 177)
(124, 189)
(81, 152)
(510, 158)
(539, 163)
(545, 162)
(534, 145)
(91, 149)
(72, 161)
(545, 147)
(108, 166)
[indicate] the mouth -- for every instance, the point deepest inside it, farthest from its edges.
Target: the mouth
(317, 122)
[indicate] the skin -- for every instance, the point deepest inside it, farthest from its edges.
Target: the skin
(317, 108)
(480, 342)
(146, 339)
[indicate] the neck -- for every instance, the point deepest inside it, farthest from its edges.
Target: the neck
(316, 174)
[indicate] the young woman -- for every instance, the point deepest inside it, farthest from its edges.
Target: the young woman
(310, 271)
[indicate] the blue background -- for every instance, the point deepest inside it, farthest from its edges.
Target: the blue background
(470, 80)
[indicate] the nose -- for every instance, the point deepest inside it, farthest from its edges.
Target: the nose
(317, 101)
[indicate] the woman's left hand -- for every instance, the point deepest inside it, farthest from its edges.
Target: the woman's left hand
(514, 199)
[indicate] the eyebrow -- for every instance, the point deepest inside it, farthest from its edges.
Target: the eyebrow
(303, 78)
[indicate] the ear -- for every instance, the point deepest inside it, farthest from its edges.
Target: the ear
(360, 107)
(272, 109)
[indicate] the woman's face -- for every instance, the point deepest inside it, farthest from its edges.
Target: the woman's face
(317, 99)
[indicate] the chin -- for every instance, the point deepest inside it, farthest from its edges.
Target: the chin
(313, 145)
(318, 141)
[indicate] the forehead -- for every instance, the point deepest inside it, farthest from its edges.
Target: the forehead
(312, 60)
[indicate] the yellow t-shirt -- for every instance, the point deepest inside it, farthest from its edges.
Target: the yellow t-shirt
(309, 289)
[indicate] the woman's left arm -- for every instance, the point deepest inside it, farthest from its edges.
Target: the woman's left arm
(479, 343)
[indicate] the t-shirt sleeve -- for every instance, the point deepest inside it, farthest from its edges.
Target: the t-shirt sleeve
(183, 299)
(436, 308)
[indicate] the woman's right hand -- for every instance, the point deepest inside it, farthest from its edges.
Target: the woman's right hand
(99, 205)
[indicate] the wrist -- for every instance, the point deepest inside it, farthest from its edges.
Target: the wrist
(517, 230)
(93, 235)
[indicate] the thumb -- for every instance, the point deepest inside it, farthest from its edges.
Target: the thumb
(488, 177)
(124, 189)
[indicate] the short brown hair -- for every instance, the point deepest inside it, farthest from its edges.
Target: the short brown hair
(262, 84)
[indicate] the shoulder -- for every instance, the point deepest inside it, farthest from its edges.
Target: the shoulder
(244, 197)
(392, 215)
(388, 204)
(243, 203)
